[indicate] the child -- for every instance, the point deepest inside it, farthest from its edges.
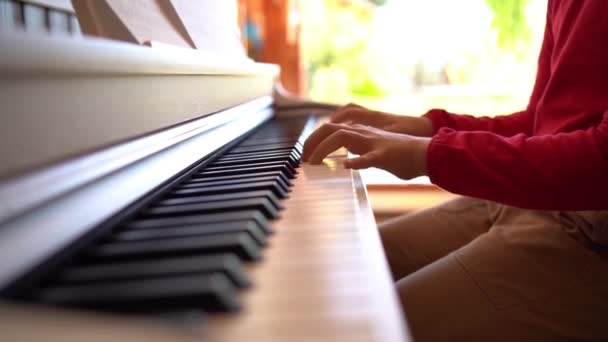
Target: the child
(525, 255)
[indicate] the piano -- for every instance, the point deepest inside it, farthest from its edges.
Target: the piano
(157, 194)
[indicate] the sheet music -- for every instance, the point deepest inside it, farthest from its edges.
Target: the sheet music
(211, 25)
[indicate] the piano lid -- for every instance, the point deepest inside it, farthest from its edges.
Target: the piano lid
(204, 25)
(61, 97)
(31, 54)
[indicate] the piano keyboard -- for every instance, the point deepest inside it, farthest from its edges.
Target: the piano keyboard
(119, 208)
(324, 276)
(263, 248)
(184, 248)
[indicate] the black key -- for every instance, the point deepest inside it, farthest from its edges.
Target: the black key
(277, 132)
(193, 230)
(266, 147)
(228, 264)
(211, 292)
(290, 169)
(295, 162)
(240, 244)
(212, 190)
(265, 141)
(245, 170)
(236, 216)
(253, 150)
(223, 197)
(198, 184)
(280, 179)
(278, 174)
(292, 155)
(224, 162)
(262, 204)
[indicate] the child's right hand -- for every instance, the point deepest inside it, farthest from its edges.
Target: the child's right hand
(355, 114)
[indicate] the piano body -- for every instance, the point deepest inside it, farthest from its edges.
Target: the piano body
(156, 194)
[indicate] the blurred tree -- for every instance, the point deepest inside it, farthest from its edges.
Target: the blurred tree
(343, 64)
(336, 48)
(378, 2)
(513, 32)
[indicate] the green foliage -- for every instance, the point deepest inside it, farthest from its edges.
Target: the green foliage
(378, 2)
(513, 32)
(337, 52)
(344, 67)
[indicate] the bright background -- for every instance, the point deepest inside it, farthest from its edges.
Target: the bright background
(406, 56)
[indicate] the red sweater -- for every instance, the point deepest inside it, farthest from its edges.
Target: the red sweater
(554, 154)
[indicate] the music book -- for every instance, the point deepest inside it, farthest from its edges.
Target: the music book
(209, 25)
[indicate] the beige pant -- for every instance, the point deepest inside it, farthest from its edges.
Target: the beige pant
(473, 270)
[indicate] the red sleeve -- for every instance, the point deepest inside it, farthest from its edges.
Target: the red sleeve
(565, 171)
(505, 125)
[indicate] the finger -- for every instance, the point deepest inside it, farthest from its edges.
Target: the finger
(326, 130)
(363, 162)
(353, 141)
(343, 113)
(356, 115)
(316, 137)
(353, 105)
(339, 112)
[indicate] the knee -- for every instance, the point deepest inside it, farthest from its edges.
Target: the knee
(399, 261)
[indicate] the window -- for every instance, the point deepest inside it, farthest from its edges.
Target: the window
(407, 56)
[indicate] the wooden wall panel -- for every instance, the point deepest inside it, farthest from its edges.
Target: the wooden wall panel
(280, 36)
